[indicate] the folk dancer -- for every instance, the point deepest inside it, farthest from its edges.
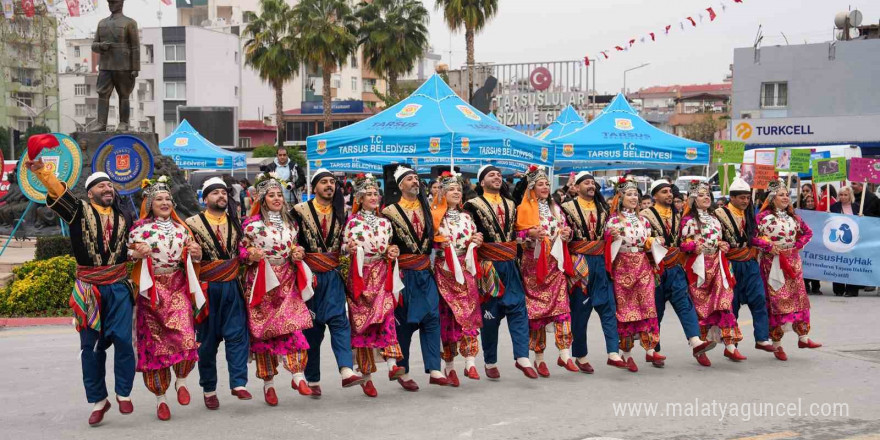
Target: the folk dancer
(494, 214)
(217, 231)
(419, 304)
(170, 299)
(673, 285)
(545, 264)
(591, 288)
(710, 281)
(456, 269)
(627, 239)
(373, 284)
(320, 222)
(278, 286)
(102, 295)
(741, 233)
(784, 234)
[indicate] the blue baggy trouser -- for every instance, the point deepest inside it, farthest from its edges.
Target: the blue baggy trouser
(749, 290)
(117, 307)
(601, 298)
(227, 322)
(511, 305)
(419, 311)
(328, 311)
(673, 287)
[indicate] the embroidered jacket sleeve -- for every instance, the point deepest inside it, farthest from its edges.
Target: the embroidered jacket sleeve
(246, 241)
(58, 198)
(765, 220)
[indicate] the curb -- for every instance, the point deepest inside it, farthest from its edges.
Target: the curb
(29, 322)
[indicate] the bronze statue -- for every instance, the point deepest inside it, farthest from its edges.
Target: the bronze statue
(118, 44)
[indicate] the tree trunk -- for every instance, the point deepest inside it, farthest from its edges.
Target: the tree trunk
(328, 121)
(392, 85)
(279, 112)
(469, 40)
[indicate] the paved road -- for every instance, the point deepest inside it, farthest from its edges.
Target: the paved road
(41, 395)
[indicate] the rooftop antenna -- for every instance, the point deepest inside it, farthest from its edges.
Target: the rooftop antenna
(759, 36)
(785, 38)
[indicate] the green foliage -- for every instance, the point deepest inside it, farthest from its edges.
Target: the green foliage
(468, 14)
(292, 152)
(4, 143)
(394, 97)
(394, 35)
(39, 287)
(702, 130)
(52, 246)
(264, 151)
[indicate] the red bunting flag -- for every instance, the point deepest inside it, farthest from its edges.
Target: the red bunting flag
(712, 14)
(631, 42)
(587, 60)
(691, 19)
(167, 2)
(28, 7)
(605, 54)
(652, 36)
(737, 1)
(618, 48)
(73, 7)
(667, 28)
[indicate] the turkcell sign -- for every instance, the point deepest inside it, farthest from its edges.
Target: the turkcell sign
(807, 130)
(784, 130)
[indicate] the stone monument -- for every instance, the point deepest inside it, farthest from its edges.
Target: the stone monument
(118, 45)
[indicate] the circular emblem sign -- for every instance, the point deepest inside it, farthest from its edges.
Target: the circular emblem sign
(65, 161)
(540, 79)
(127, 160)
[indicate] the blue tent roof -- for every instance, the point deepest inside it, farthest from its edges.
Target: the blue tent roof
(492, 116)
(567, 122)
(193, 152)
(620, 139)
(433, 122)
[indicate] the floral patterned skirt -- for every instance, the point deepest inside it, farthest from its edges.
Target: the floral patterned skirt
(372, 313)
(166, 334)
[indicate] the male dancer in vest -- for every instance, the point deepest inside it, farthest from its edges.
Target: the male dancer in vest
(102, 295)
(591, 286)
(741, 232)
(320, 222)
(218, 230)
(673, 285)
(413, 229)
(501, 286)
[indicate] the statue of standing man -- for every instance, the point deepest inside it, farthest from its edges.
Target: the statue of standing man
(118, 44)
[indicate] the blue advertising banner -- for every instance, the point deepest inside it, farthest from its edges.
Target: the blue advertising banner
(314, 107)
(844, 248)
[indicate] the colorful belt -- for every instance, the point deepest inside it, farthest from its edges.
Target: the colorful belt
(586, 247)
(102, 275)
(505, 251)
(414, 261)
(742, 254)
(219, 270)
(320, 262)
(674, 257)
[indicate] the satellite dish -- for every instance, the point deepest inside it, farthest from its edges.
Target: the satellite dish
(855, 18)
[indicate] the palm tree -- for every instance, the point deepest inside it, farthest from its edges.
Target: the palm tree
(271, 49)
(328, 36)
(472, 15)
(394, 35)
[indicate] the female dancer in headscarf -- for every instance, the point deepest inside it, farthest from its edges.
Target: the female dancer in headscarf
(545, 264)
(277, 286)
(784, 234)
(372, 296)
(455, 269)
(169, 293)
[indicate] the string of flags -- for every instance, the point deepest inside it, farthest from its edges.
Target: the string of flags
(719, 7)
(74, 8)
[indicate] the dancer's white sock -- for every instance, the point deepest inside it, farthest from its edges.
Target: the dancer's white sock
(469, 362)
(764, 343)
(539, 357)
(694, 341)
(123, 398)
(99, 405)
(777, 344)
(650, 352)
(405, 377)
(614, 356)
(523, 362)
(565, 354)
(730, 347)
(210, 394)
(626, 355)
(179, 382)
(346, 372)
(436, 374)
(803, 338)
(268, 384)
(298, 377)
(392, 362)
(160, 399)
(450, 365)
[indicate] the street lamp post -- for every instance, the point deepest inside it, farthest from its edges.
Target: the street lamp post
(624, 76)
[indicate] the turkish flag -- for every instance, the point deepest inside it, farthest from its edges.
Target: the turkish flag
(712, 14)
(618, 48)
(28, 7)
(667, 28)
(691, 19)
(73, 7)
(587, 60)
(652, 36)
(605, 54)
(631, 42)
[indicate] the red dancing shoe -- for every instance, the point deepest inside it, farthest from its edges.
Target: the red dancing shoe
(441, 381)
(655, 360)
(657, 355)
(395, 373)
(703, 360)
(183, 397)
(242, 394)
(352, 381)
(302, 387)
(212, 402)
(494, 374)
(409, 385)
(619, 364)
(808, 344)
(163, 412)
(735, 355)
(570, 366)
(471, 373)
(527, 371)
(768, 347)
(631, 365)
(543, 371)
(316, 391)
(98, 415)
(704, 347)
(369, 389)
(270, 396)
(780, 354)
(584, 367)
(452, 378)
(125, 406)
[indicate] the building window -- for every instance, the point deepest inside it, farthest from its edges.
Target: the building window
(92, 111)
(354, 59)
(774, 94)
(23, 99)
(148, 54)
(175, 52)
(175, 90)
(23, 124)
(144, 126)
(354, 84)
(244, 142)
(236, 91)
(236, 57)
(336, 82)
(369, 84)
(81, 90)
(170, 126)
(80, 110)
(25, 77)
(76, 51)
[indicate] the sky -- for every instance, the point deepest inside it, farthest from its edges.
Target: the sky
(562, 30)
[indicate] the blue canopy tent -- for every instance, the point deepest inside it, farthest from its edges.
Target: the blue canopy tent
(191, 151)
(567, 122)
(620, 139)
(432, 123)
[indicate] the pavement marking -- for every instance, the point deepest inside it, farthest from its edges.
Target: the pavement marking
(29, 331)
(776, 435)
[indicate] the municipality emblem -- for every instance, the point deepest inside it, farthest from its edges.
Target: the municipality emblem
(434, 146)
(568, 150)
(467, 112)
(691, 154)
(322, 146)
(408, 111)
(623, 124)
(465, 145)
(544, 154)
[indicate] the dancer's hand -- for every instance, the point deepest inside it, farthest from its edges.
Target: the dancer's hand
(298, 253)
(255, 254)
(141, 250)
(393, 251)
(195, 251)
(477, 239)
